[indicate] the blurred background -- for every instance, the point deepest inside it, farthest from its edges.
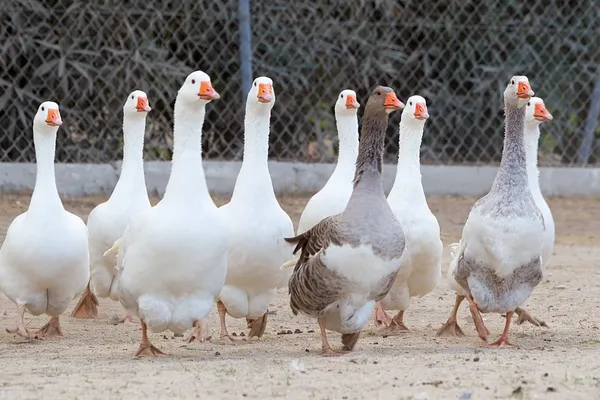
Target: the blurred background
(458, 54)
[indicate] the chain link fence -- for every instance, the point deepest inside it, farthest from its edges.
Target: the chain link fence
(458, 54)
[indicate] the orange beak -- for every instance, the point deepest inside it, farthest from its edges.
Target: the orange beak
(392, 102)
(541, 114)
(524, 91)
(53, 118)
(351, 102)
(207, 92)
(421, 111)
(142, 105)
(265, 93)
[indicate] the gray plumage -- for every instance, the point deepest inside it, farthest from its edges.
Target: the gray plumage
(314, 288)
(508, 207)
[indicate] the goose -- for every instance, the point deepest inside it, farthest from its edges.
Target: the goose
(421, 262)
(255, 222)
(172, 258)
(334, 196)
(498, 261)
(535, 114)
(349, 261)
(108, 220)
(44, 261)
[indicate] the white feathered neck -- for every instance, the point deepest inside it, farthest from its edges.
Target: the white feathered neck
(408, 173)
(187, 181)
(254, 179)
(531, 138)
(131, 179)
(347, 127)
(45, 196)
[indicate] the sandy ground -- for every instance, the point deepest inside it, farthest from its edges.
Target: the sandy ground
(94, 359)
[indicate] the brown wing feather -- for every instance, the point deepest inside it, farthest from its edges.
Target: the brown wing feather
(312, 286)
(318, 237)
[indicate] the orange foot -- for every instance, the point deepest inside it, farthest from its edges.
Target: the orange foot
(524, 316)
(502, 342)
(257, 326)
(148, 350)
(52, 328)
(87, 307)
(450, 328)
(381, 317)
(328, 352)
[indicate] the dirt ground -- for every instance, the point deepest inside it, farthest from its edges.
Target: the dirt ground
(94, 358)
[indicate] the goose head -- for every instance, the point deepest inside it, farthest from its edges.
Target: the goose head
(415, 110)
(346, 103)
(136, 104)
(47, 118)
(197, 89)
(518, 91)
(383, 99)
(261, 96)
(536, 112)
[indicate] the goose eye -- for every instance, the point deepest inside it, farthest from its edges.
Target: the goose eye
(512, 82)
(42, 108)
(341, 96)
(193, 81)
(528, 103)
(378, 93)
(254, 84)
(410, 103)
(131, 97)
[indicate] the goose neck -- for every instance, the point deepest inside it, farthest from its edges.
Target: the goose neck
(512, 171)
(132, 169)
(409, 145)
(256, 141)
(369, 162)
(187, 180)
(532, 135)
(347, 127)
(45, 194)
(408, 173)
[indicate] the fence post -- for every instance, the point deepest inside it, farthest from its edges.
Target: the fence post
(245, 47)
(590, 126)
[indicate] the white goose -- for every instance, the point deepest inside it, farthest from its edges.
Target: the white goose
(108, 220)
(333, 197)
(256, 224)
(173, 257)
(421, 261)
(535, 114)
(44, 261)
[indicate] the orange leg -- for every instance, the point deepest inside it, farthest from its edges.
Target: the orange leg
(146, 348)
(482, 330)
(503, 341)
(327, 351)
(451, 328)
(20, 328)
(398, 323)
(200, 332)
(224, 337)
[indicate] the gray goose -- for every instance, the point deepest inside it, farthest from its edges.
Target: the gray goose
(349, 261)
(498, 261)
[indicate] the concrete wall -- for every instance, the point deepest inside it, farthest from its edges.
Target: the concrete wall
(75, 180)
